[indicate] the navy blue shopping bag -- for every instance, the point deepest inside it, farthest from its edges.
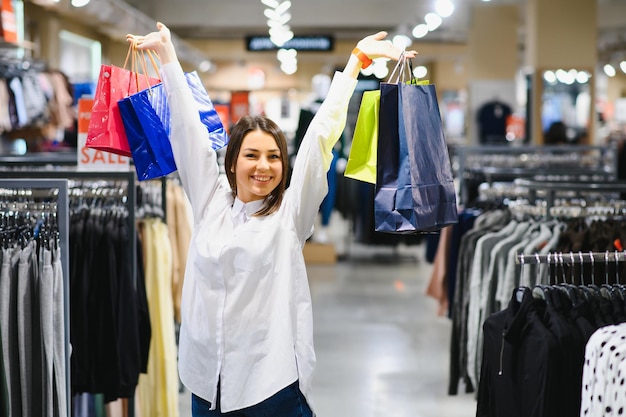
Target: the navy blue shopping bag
(414, 184)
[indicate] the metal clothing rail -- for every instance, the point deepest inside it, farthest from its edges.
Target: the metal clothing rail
(505, 163)
(62, 218)
(552, 187)
(570, 258)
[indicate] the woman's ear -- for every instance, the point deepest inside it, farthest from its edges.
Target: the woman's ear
(232, 169)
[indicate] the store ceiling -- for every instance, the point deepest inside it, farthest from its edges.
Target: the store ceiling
(342, 18)
(220, 19)
(352, 19)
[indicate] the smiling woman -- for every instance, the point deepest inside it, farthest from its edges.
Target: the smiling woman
(246, 339)
(256, 159)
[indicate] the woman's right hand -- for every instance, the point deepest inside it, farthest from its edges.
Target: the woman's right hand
(159, 41)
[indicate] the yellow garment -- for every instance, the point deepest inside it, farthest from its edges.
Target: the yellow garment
(158, 389)
(179, 226)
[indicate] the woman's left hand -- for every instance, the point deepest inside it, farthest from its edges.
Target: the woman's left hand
(374, 46)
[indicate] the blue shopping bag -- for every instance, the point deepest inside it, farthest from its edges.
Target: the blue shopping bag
(147, 122)
(414, 185)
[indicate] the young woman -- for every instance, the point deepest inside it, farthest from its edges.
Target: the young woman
(246, 342)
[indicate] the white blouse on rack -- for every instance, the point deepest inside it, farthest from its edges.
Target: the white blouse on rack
(604, 373)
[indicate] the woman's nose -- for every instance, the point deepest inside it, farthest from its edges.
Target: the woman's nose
(263, 163)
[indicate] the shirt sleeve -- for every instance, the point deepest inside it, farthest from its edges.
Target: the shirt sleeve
(309, 184)
(195, 160)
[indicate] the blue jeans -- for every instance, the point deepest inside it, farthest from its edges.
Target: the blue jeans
(328, 204)
(288, 402)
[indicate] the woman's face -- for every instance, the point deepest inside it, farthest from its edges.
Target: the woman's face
(259, 169)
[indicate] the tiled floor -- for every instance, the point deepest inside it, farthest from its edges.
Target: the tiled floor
(381, 349)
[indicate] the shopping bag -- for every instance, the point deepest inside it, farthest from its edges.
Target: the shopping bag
(147, 121)
(106, 129)
(362, 158)
(414, 184)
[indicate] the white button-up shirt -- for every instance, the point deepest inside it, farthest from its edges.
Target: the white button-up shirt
(246, 304)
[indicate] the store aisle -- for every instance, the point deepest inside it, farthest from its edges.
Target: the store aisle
(381, 349)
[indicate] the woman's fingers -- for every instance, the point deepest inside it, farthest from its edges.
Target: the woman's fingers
(375, 46)
(380, 35)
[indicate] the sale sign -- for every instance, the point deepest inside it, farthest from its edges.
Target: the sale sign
(92, 159)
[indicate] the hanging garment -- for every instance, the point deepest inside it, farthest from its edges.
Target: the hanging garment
(20, 106)
(4, 392)
(34, 98)
(491, 221)
(107, 325)
(5, 116)
(60, 365)
(32, 313)
(603, 373)
(158, 388)
(10, 349)
(179, 225)
(519, 372)
(27, 328)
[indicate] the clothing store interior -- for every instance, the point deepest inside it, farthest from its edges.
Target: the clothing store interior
(499, 289)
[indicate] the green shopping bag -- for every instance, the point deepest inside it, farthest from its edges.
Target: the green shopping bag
(362, 158)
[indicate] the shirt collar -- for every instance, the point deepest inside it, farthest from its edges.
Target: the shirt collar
(248, 209)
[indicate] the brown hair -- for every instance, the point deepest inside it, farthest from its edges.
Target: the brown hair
(238, 132)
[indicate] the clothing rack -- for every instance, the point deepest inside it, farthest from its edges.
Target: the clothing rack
(552, 187)
(62, 219)
(505, 163)
(128, 177)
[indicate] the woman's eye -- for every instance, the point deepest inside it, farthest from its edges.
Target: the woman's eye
(275, 157)
(250, 155)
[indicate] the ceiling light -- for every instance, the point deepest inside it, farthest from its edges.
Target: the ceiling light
(420, 71)
(289, 69)
(280, 31)
(270, 3)
(283, 7)
(381, 70)
(609, 70)
(444, 8)
(279, 38)
(205, 66)
(582, 77)
(550, 77)
(286, 54)
(283, 18)
(433, 21)
(270, 14)
(401, 41)
(622, 66)
(420, 31)
(79, 3)
(565, 77)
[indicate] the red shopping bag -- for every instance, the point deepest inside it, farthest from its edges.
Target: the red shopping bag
(106, 129)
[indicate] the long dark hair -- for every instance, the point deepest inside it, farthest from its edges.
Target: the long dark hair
(239, 131)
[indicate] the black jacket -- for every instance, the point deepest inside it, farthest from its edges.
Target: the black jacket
(519, 364)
